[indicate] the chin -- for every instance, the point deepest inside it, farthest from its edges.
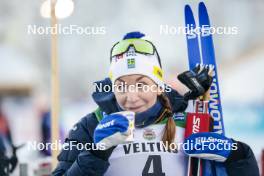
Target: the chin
(137, 110)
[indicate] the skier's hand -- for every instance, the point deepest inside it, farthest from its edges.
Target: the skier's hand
(210, 146)
(197, 80)
(112, 130)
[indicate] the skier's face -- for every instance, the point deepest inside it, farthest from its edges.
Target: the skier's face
(136, 93)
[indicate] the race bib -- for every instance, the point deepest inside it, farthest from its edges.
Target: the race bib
(147, 156)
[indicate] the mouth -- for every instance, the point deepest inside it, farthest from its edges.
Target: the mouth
(134, 108)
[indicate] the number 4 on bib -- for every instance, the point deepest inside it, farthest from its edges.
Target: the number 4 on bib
(153, 166)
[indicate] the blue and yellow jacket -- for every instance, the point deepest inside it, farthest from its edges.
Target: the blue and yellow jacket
(76, 162)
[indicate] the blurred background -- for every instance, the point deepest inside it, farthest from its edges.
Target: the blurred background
(25, 67)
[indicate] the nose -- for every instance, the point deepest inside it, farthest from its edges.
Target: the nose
(132, 97)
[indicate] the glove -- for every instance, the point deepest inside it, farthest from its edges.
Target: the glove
(197, 80)
(210, 146)
(112, 130)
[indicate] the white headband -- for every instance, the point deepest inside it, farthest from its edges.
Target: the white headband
(135, 63)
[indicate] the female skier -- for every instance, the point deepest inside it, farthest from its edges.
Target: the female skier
(136, 77)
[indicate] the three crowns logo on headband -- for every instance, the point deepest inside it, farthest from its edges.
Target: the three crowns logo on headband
(131, 52)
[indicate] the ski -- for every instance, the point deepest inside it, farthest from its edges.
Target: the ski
(192, 38)
(194, 164)
(201, 51)
(208, 56)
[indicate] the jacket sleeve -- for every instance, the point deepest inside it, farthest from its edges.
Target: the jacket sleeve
(242, 162)
(82, 162)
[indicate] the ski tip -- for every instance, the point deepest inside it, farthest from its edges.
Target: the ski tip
(189, 19)
(187, 8)
(202, 6)
(203, 15)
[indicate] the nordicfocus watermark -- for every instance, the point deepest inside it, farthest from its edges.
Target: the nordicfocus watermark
(208, 144)
(59, 145)
(124, 87)
(159, 146)
(66, 30)
(194, 31)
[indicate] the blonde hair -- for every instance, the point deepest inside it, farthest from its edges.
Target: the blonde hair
(170, 128)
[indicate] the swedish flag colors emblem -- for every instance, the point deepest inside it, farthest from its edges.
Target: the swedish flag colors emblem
(131, 63)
